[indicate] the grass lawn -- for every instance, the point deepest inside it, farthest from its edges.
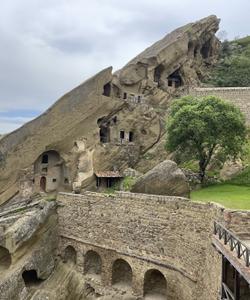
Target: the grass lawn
(229, 195)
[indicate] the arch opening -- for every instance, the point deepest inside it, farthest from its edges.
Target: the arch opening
(92, 263)
(155, 285)
(5, 259)
(30, 278)
(121, 273)
(70, 255)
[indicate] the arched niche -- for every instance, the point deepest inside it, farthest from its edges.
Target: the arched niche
(121, 273)
(92, 263)
(70, 255)
(155, 285)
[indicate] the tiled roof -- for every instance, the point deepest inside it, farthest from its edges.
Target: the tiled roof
(108, 174)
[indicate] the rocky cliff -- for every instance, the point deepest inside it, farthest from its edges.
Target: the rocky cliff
(111, 121)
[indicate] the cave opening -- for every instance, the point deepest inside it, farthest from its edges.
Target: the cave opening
(175, 80)
(107, 89)
(30, 278)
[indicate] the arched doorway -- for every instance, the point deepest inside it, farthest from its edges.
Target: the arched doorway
(70, 255)
(43, 183)
(5, 259)
(92, 263)
(155, 285)
(121, 273)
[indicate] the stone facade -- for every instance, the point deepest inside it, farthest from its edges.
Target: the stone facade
(168, 234)
(239, 96)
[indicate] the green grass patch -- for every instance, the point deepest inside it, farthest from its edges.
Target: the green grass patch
(228, 195)
(128, 182)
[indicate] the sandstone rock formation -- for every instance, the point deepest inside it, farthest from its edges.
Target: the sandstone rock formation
(164, 179)
(109, 122)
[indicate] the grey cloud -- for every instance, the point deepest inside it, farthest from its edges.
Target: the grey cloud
(48, 47)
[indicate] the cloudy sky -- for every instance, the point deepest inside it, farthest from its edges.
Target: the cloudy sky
(50, 46)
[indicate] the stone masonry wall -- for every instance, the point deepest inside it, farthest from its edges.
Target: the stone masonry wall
(240, 96)
(149, 231)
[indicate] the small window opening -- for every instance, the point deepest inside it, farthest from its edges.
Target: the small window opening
(124, 95)
(66, 180)
(131, 136)
(115, 120)
(107, 89)
(45, 159)
(54, 180)
(139, 99)
(122, 134)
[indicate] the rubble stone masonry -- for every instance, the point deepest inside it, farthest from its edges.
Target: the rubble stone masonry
(170, 234)
(240, 96)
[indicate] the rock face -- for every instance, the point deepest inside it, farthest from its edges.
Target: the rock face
(109, 122)
(164, 179)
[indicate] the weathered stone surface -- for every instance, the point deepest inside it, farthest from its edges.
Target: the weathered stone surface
(164, 179)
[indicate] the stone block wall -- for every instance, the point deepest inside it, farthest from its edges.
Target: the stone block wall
(239, 96)
(170, 234)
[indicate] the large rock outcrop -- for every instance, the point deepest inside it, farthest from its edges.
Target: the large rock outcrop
(110, 121)
(164, 179)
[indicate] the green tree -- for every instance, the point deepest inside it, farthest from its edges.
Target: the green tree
(203, 127)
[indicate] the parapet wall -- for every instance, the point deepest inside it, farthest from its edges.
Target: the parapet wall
(240, 96)
(171, 231)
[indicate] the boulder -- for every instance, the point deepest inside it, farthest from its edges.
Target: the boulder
(164, 179)
(231, 169)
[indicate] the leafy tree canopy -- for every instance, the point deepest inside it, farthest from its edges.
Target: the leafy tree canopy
(203, 127)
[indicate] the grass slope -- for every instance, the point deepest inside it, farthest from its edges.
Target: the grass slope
(229, 195)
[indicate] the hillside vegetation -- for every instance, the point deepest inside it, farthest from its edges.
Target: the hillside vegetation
(233, 67)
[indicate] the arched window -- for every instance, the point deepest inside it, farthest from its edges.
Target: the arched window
(70, 255)
(121, 273)
(30, 278)
(92, 263)
(155, 284)
(45, 159)
(5, 259)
